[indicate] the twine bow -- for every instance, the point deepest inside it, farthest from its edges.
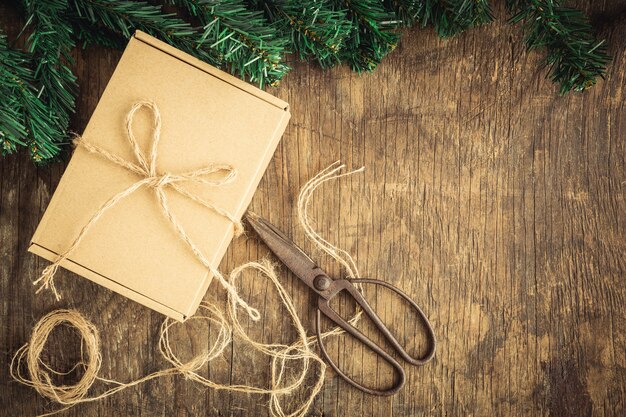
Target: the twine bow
(150, 176)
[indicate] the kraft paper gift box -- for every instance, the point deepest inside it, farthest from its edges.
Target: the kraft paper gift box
(208, 117)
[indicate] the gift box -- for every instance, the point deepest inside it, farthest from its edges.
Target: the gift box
(207, 119)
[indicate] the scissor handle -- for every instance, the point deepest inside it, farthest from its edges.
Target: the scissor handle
(324, 307)
(362, 338)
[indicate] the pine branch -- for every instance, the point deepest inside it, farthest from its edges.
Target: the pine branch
(50, 45)
(575, 57)
(406, 11)
(89, 34)
(449, 17)
(124, 17)
(313, 28)
(243, 39)
(372, 37)
(12, 74)
(24, 119)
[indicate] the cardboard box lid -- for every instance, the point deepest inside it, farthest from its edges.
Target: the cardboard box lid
(208, 117)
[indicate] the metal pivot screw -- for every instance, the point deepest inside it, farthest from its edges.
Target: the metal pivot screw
(321, 282)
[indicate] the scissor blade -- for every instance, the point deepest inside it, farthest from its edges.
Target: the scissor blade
(286, 250)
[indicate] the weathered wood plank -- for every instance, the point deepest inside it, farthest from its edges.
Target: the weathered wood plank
(493, 201)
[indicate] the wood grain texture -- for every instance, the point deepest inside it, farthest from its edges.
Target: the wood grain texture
(497, 204)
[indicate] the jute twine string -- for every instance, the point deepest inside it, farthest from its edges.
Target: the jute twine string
(305, 198)
(28, 367)
(147, 169)
(40, 376)
(304, 201)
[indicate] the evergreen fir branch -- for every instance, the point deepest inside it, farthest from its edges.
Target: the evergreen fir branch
(124, 17)
(406, 11)
(90, 34)
(249, 38)
(575, 57)
(455, 16)
(448, 17)
(250, 46)
(372, 37)
(50, 44)
(24, 119)
(313, 28)
(12, 127)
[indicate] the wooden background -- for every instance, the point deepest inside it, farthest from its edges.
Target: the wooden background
(493, 201)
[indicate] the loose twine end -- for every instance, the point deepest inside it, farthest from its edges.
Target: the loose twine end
(238, 228)
(46, 280)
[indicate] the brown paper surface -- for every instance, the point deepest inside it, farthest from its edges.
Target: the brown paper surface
(207, 117)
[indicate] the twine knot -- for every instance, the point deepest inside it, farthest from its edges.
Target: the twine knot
(146, 167)
(160, 181)
(188, 370)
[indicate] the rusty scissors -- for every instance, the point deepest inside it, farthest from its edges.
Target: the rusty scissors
(326, 288)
